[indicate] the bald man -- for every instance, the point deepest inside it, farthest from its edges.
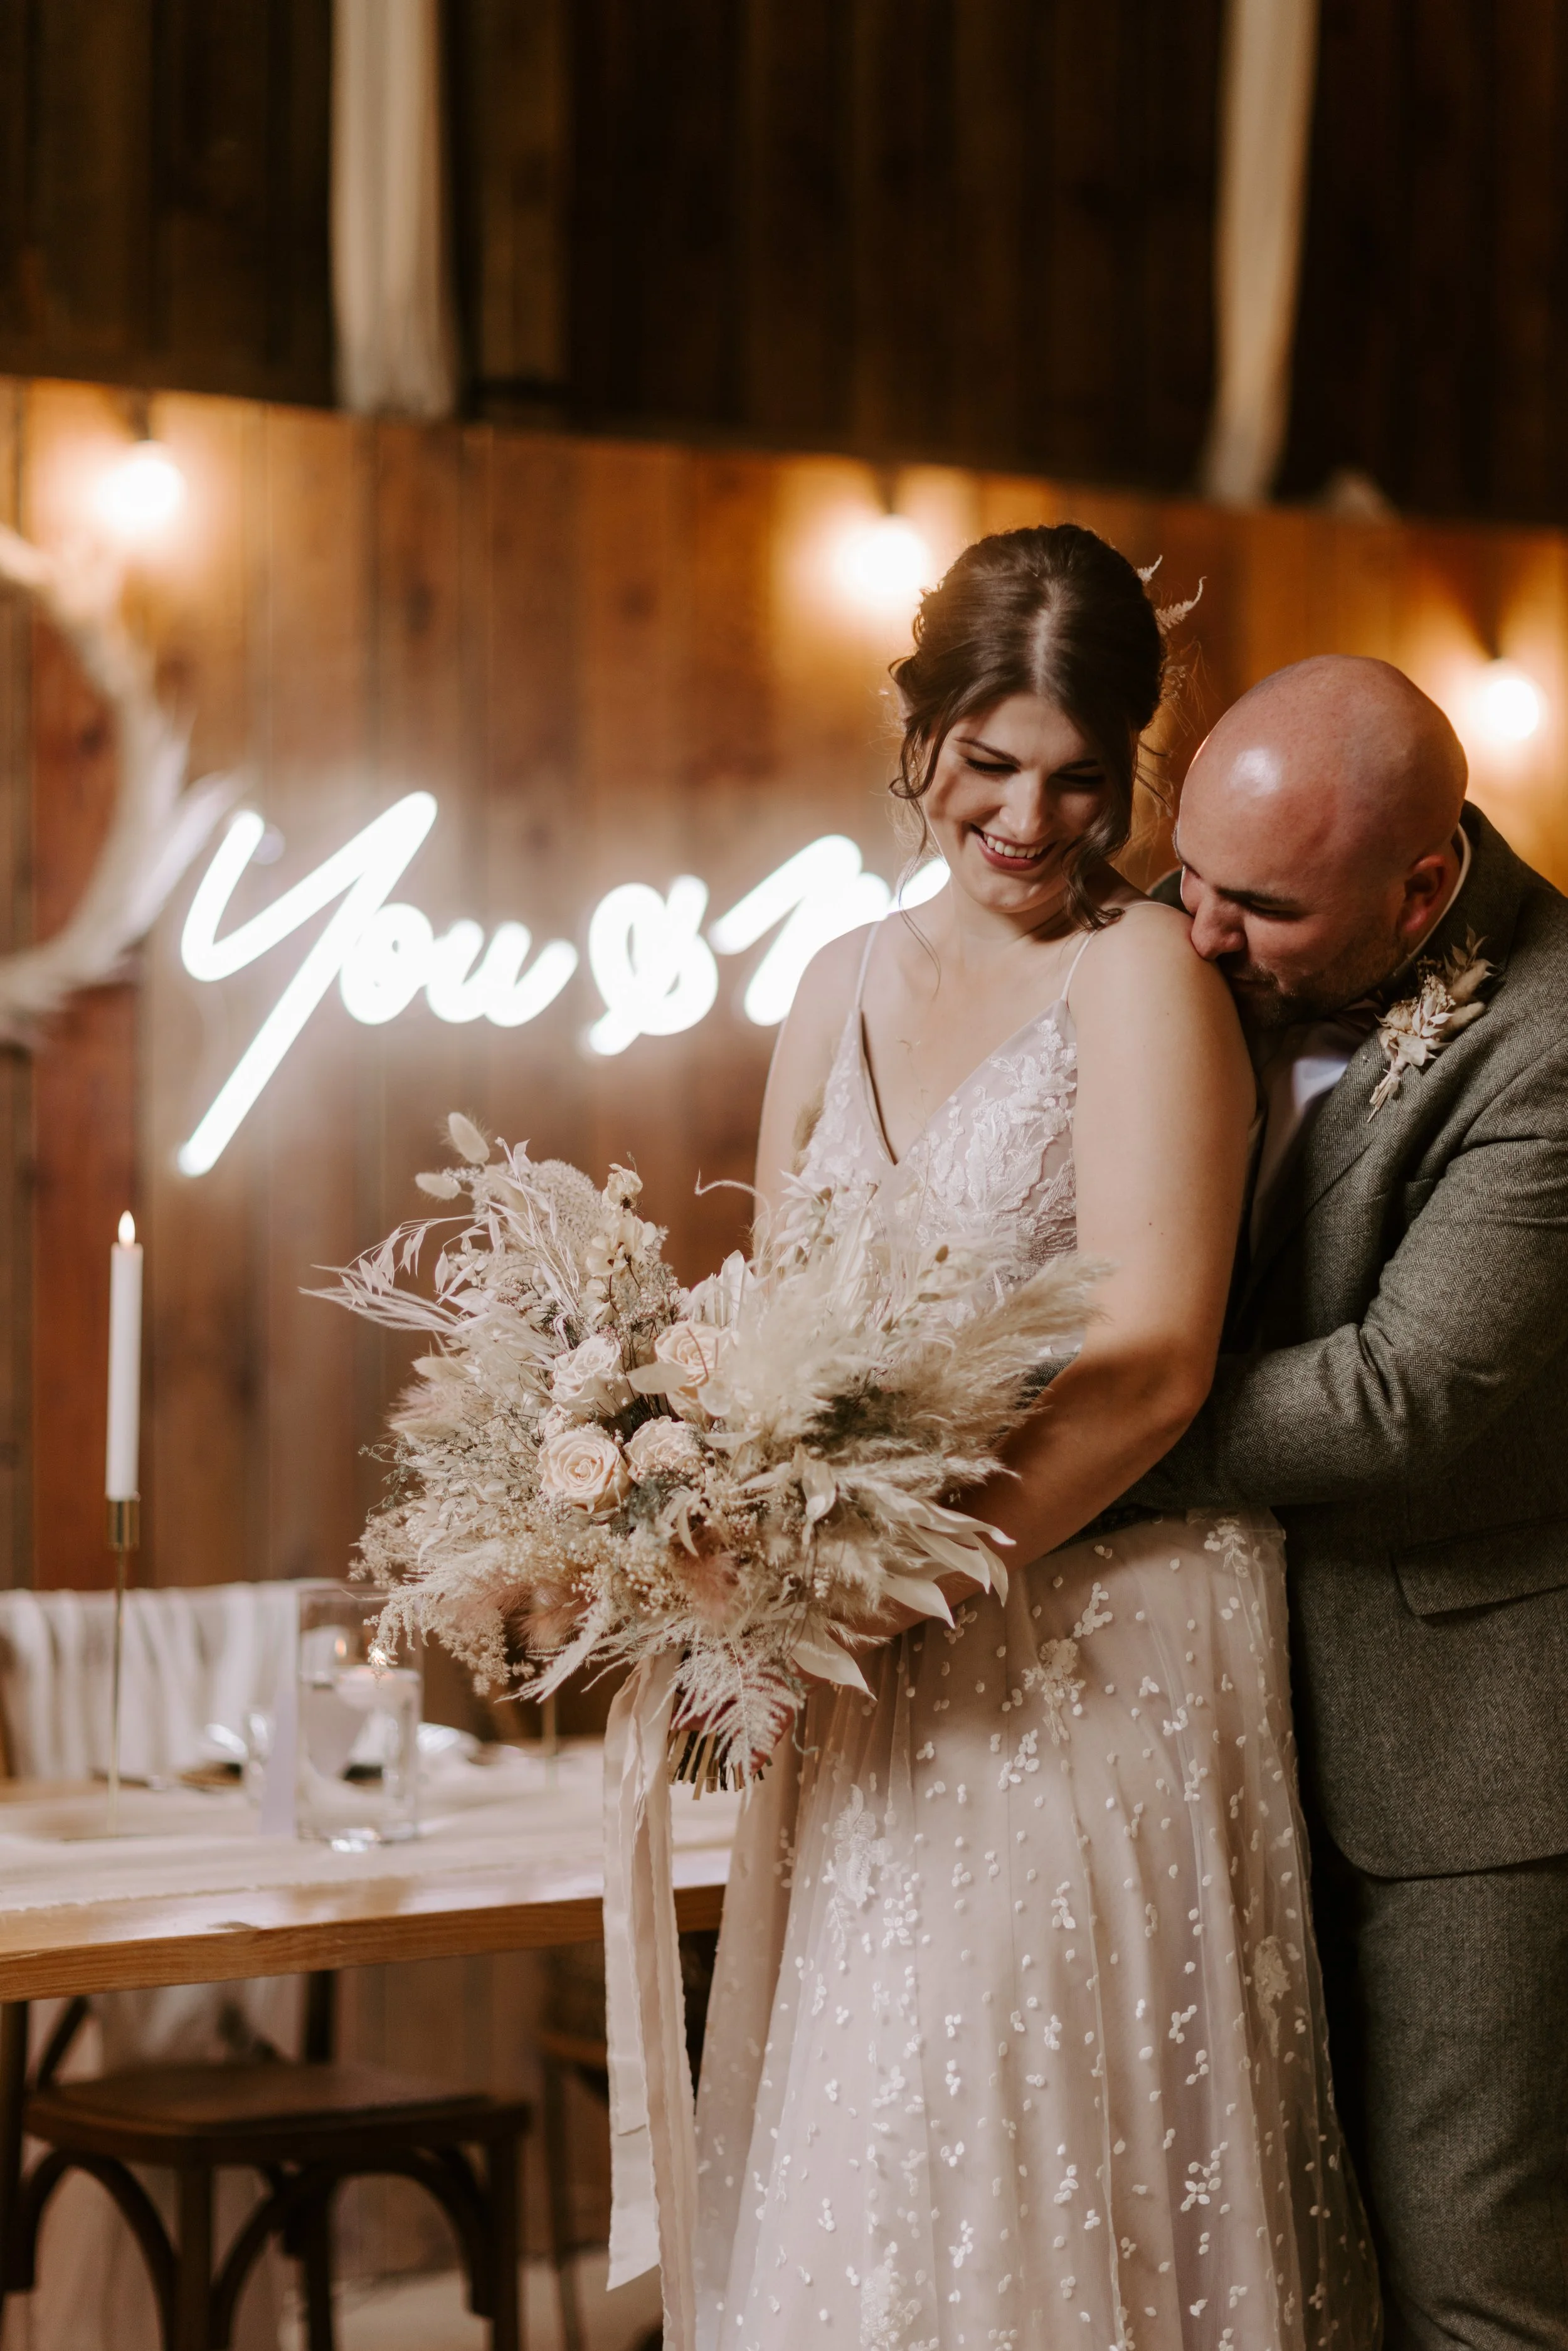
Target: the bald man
(1395, 1386)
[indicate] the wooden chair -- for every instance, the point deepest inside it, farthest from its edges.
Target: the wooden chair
(306, 2127)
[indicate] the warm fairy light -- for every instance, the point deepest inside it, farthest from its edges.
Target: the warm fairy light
(1509, 706)
(140, 494)
(127, 1229)
(884, 565)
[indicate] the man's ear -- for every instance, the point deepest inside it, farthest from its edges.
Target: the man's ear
(1423, 885)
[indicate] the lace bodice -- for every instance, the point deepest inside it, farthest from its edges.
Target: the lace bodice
(994, 1162)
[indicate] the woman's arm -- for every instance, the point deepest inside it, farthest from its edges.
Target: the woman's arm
(801, 1061)
(1166, 1098)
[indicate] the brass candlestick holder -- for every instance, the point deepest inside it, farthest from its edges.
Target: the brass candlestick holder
(124, 1537)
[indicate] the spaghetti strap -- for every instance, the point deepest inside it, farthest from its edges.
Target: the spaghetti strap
(1072, 967)
(871, 930)
(1090, 935)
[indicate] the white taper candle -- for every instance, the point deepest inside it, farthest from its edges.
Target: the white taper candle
(120, 1480)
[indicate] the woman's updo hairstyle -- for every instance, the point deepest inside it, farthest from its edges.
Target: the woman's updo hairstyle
(1052, 610)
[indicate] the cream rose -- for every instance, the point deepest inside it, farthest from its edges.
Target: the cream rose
(586, 1468)
(664, 1449)
(693, 1349)
(592, 1377)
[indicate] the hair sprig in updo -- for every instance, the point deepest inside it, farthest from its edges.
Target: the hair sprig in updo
(1052, 610)
(1171, 616)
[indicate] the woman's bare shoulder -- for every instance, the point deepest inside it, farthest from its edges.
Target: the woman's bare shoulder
(828, 984)
(815, 1022)
(804, 1054)
(1145, 1005)
(1148, 946)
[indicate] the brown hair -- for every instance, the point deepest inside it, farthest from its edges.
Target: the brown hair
(1052, 610)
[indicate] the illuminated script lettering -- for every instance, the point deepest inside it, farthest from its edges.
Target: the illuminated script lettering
(650, 957)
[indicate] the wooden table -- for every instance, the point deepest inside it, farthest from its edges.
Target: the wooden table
(539, 1882)
(509, 1858)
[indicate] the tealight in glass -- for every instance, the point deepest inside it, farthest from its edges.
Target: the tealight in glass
(358, 1775)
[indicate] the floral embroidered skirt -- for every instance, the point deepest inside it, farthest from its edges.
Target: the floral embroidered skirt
(1016, 2036)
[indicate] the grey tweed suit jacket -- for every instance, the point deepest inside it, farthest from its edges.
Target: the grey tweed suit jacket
(1396, 1388)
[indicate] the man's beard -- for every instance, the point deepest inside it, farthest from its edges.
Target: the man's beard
(1266, 1006)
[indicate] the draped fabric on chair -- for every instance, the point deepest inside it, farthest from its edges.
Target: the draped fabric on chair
(190, 1657)
(195, 1656)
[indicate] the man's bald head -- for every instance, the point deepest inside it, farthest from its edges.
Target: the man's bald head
(1317, 832)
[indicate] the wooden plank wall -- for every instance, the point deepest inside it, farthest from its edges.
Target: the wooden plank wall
(974, 231)
(610, 662)
(966, 229)
(16, 1068)
(163, 193)
(1431, 347)
(978, 230)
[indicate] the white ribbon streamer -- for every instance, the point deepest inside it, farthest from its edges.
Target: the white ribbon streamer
(652, 2127)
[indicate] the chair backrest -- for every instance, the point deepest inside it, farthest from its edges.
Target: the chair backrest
(190, 1657)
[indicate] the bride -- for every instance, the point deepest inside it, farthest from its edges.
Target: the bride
(1016, 2026)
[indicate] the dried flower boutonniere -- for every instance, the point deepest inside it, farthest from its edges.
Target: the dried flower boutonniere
(1413, 1031)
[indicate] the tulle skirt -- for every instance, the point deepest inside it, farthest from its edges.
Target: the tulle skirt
(1017, 2038)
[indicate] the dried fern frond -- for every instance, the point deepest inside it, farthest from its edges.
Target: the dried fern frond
(593, 1466)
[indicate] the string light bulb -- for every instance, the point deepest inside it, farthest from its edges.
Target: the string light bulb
(140, 494)
(1509, 704)
(882, 565)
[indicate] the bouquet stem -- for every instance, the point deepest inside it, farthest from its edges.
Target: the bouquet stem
(696, 1761)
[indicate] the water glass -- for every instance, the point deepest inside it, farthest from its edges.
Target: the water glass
(359, 1725)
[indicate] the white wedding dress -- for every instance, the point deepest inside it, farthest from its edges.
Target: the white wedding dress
(1016, 2037)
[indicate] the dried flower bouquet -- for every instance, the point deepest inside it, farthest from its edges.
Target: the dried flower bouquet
(595, 1466)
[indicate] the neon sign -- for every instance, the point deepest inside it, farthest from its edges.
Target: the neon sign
(652, 963)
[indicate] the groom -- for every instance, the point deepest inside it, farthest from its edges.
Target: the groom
(1395, 1386)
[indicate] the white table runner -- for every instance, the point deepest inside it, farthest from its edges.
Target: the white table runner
(517, 1810)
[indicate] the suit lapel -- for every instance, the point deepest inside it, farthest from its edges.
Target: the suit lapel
(1343, 1128)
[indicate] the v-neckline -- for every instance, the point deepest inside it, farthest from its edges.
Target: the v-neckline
(868, 1083)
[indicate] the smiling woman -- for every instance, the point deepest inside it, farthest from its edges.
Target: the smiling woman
(1054, 613)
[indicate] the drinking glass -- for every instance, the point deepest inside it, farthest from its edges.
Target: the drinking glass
(359, 1725)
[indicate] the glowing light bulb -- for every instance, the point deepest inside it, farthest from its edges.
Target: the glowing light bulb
(143, 494)
(1509, 706)
(884, 565)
